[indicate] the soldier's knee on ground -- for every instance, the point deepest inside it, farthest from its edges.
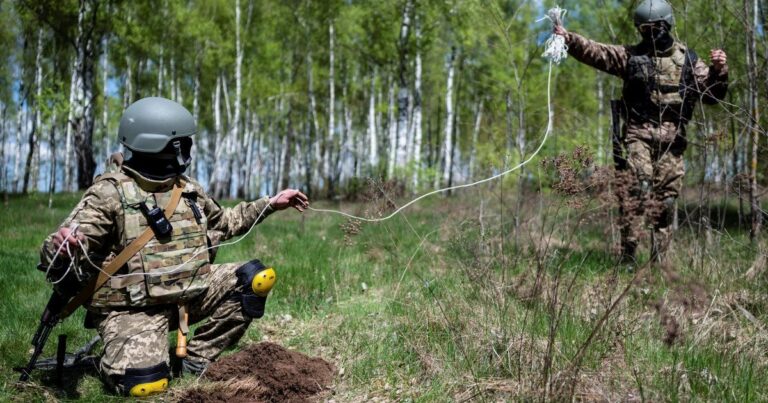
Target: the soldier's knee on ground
(142, 382)
(254, 281)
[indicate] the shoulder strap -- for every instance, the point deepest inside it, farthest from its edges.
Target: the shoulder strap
(121, 259)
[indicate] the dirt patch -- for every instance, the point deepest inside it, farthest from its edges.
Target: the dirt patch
(264, 372)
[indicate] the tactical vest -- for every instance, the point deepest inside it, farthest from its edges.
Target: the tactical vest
(165, 271)
(661, 89)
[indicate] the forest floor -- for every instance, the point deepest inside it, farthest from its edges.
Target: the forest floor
(481, 296)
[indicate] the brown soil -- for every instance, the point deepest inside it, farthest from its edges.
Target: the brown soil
(264, 372)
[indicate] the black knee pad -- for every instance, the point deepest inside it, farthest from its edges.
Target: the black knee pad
(254, 277)
(141, 382)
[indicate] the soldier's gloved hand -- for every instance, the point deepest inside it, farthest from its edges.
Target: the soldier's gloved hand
(289, 198)
(719, 59)
(560, 30)
(66, 234)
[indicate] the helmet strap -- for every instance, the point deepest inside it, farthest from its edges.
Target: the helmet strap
(184, 162)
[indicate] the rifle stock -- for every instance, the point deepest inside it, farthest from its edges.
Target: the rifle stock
(48, 320)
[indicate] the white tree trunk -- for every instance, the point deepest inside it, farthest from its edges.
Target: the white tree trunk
(105, 135)
(196, 158)
(52, 168)
(417, 132)
(316, 148)
(403, 95)
(68, 167)
(30, 168)
(600, 114)
(475, 135)
(160, 67)
(448, 144)
(218, 147)
(347, 157)
(329, 138)
(373, 142)
(392, 128)
(128, 88)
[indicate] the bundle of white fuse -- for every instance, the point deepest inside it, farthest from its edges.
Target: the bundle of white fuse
(555, 49)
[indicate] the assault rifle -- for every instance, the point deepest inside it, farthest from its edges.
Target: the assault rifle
(48, 320)
(51, 316)
(619, 161)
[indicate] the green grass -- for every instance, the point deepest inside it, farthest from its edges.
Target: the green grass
(436, 305)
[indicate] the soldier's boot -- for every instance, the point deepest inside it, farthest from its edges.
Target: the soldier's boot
(661, 238)
(628, 251)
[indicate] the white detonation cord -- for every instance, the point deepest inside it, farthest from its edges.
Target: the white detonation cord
(555, 52)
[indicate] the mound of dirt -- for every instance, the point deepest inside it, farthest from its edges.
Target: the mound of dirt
(264, 372)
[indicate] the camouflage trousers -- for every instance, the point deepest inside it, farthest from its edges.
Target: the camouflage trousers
(138, 338)
(654, 179)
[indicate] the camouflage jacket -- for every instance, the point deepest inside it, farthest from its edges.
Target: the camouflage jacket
(710, 85)
(100, 215)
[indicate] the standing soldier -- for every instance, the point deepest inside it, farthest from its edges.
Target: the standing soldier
(663, 80)
(157, 224)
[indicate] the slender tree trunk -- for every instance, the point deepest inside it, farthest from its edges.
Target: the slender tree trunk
(475, 135)
(52, 148)
(38, 111)
(287, 155)
(83, 118)
(128, 87)
(392, 126)
(218, 147)
(449, 118)
(600, 120)
(417, 133)
(329, 138)
(373, 142)
(754, 118)
(197, 158)
(106, 137)
(403, 93)
(234, 124)
(3, 148)
(20, 128)
(315, 149)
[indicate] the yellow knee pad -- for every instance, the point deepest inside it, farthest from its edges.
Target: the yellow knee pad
(254, 281)
(143, 382)
(263, 282)
(149, 388)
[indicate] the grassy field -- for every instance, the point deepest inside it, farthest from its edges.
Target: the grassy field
(477, 297)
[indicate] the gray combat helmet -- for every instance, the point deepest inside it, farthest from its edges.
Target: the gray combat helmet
(149, 124)
(653, 11)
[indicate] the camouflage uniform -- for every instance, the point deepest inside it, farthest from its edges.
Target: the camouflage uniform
(135, 334)
(653, 145)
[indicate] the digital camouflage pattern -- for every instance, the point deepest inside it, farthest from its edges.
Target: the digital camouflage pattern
(164, 271)
(654, 149)
(132, 313)
(139, 338)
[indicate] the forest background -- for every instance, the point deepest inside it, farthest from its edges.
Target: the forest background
(319, 94)
(510, 290)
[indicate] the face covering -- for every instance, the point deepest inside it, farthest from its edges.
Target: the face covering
(656, 37)
(171, 161)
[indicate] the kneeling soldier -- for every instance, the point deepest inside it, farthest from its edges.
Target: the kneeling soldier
(146, 213)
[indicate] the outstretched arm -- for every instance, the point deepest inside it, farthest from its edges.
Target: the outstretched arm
(611, 59)
(237, 220)
(712, 80)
